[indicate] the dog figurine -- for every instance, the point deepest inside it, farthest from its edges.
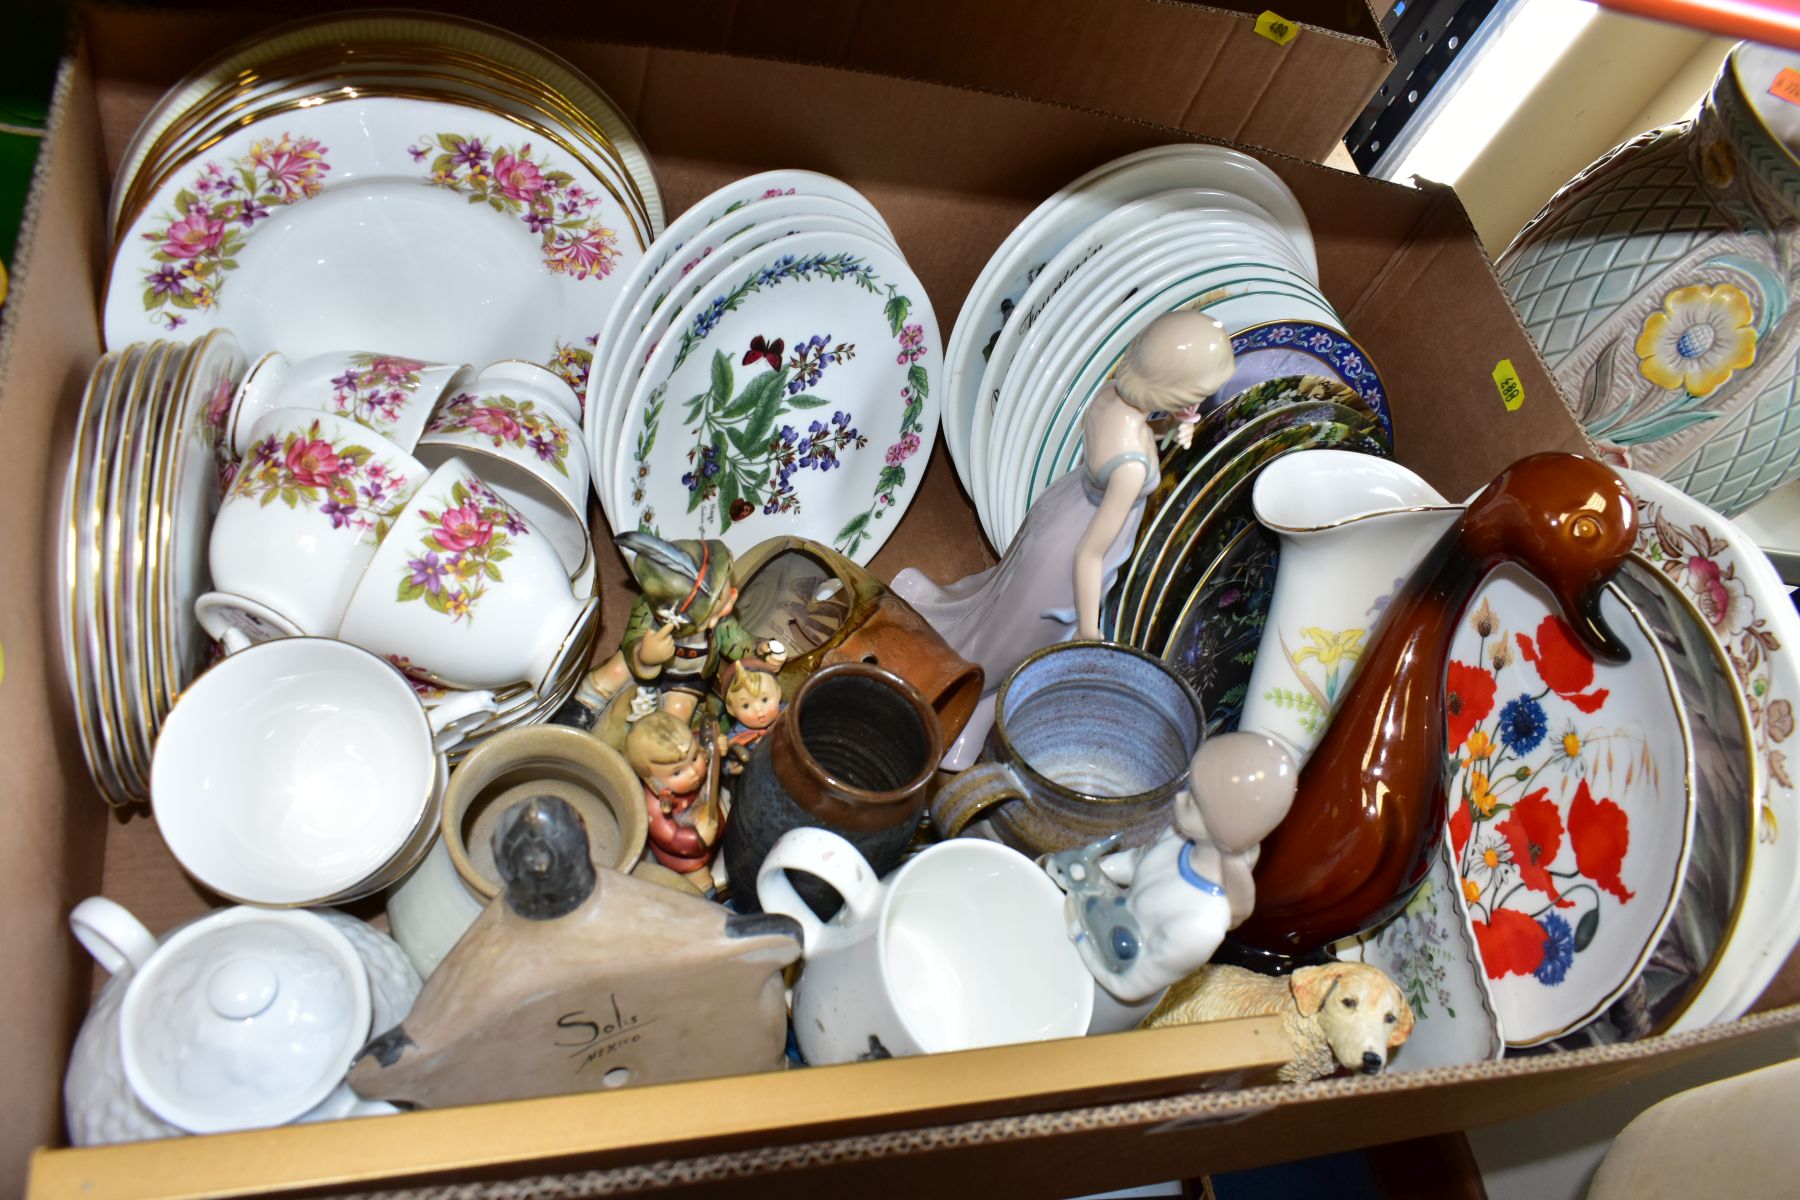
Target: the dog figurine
(1189, 886)
(1340, 1014)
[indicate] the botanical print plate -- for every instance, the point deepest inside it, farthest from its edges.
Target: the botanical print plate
(794, 398)
(1061, 219)
(755, 189)
(1570, 803)
(1429, 951)
(748, 239)
(1748, 611)
(645, 296)
(1726, 786)
(1193, 478)
(1214, 512)
(1215, 637)
(434, 230)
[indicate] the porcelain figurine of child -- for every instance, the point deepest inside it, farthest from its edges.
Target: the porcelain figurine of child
(672, 761)
(1049, 585)
(753, 702)
(1186, 889)
(681, 626)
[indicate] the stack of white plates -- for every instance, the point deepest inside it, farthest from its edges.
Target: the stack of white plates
(1176, 227)
(417, 184)
(137, 508)
(769, 370)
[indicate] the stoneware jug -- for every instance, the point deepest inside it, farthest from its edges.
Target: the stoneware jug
(242, 1019)
(1661, 282)
(1352, 527)
(852, 753)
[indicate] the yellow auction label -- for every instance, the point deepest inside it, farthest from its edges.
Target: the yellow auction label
(1276, 28)
(1512, 392)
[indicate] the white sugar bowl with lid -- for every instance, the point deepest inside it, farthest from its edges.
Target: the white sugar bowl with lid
(243, 1019)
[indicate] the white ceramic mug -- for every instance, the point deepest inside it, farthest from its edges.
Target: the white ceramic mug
(304, 771)
(388, 393)
(964, 946)
(513, 426)
(301, 521)
(468, 591)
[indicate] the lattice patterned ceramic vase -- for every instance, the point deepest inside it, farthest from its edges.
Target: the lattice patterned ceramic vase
(1661, 285)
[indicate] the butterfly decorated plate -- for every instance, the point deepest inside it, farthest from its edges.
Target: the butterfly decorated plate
(795, 397)
(647, 296)
(1570, 803)
(749, 237)
(436, 230)
(1748, 612)
(1727, 783)
(1062, 218)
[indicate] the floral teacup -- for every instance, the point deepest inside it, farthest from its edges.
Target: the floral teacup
(389, 393)
(516, 428)
(302, 518)
(468, 590)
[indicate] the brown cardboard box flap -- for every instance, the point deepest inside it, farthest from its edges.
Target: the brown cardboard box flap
(1203, 69)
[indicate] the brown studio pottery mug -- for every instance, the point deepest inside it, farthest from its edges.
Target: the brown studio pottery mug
(1089, 739)
(852, 753)
(828, 610)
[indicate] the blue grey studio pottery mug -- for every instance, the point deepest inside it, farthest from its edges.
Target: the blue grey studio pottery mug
(1089, 739)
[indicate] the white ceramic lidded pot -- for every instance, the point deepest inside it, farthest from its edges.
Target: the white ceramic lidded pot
(243, 1019)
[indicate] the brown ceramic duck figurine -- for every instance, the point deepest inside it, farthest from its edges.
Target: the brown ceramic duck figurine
(1370, 803)
(576, 979)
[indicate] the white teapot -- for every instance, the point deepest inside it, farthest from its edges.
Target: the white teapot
(242, 1019)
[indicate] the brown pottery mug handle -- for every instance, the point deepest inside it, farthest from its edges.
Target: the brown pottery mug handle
(970, 795)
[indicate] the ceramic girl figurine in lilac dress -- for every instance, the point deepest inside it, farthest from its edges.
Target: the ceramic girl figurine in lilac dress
(1049, 585)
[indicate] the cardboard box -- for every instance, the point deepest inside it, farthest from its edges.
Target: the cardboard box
(1202, 68)
(953, 170)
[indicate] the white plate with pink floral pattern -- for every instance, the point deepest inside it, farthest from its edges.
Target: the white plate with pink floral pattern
(436, 230)
(1747, 609)
(793, 396)
(1570, 803)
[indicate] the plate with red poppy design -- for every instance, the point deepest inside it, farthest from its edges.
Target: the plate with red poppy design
(1570, 803)
(442, 230)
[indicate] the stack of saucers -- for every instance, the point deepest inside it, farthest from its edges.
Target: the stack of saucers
(1181, 227)
(137, 504)
(336, 183)
(770, 369)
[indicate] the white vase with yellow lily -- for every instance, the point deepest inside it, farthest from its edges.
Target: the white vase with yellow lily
(1663, 286)
(1351, 527)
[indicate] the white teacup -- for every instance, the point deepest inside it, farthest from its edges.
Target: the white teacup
(388, 393)
(467, 590)
(302, 518)
(964, 946)
(512, 425)
(303, 771)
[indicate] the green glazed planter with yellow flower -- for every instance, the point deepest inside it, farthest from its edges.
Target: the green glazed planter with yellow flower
(1661, 286)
